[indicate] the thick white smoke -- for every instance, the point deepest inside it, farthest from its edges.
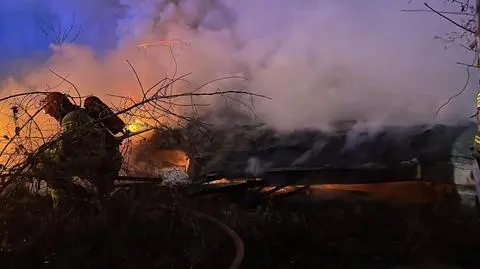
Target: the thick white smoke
(320, 60)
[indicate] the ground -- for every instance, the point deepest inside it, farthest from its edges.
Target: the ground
(161, 227)
(149, 228)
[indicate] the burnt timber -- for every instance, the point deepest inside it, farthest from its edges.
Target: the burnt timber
(440, 153)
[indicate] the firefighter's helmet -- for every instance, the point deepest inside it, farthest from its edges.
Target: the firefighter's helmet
(93, 103)
(54, 103)
(98, 110)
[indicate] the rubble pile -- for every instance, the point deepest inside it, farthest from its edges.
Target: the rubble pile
(251, 149)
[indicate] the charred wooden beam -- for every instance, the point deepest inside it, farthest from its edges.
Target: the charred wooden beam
(440, 172)
(157, 180)
(205, 189)
(321, 175)
(344, 175)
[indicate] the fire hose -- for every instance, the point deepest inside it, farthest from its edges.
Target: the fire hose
(237, 240)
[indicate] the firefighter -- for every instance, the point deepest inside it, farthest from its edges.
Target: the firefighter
(476, 144)
(101, 112)
(113, 125)
(476, 155)
(79, 150)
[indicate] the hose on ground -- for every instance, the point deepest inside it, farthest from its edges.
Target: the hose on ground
(237, 240)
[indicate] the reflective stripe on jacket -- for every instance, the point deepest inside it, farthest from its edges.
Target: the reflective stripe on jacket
(83, 139)
(476, 141)
(478, 100)
(80, 140)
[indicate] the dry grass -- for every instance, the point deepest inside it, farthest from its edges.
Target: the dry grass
(130, 231)
(136, 231)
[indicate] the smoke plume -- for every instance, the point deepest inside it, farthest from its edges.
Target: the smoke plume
(319, 60)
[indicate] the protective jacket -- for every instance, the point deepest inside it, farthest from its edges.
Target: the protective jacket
(477, 135)
(82, 149)
(81, 142)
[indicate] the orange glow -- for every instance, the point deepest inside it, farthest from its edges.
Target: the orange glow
(15, 145)
(173, 158)
(160, 159)
(227, 181)
(411, 191)
(137, 124)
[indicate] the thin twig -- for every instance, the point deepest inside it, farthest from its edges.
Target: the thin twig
(441, 12)
(21, 94)
(69, 82)
(456, 94)
(137, 77)
(448, 19)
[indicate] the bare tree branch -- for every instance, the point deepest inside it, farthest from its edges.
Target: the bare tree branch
(441, 12)
(448, 19)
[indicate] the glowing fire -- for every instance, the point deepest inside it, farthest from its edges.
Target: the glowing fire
(136, 125)
(411, 191)
(163, 158)
(173, 158)
(19, 136)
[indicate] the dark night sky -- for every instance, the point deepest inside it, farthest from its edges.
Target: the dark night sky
(20, 23)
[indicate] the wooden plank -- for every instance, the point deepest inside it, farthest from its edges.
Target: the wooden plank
(437, 172)
(222, 188)
(140, 179)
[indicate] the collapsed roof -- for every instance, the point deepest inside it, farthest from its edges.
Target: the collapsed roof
(253, 148)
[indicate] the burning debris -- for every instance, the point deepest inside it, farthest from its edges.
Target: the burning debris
(153, 112)
(23, 154)
(250, 149)
(189, 152)
(173, 156)
(165, 144)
